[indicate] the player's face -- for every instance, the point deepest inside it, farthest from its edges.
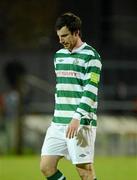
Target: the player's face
(66, 38)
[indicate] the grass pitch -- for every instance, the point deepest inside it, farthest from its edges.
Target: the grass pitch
(107, 168)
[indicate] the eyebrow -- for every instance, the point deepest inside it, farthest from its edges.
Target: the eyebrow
(64, 35)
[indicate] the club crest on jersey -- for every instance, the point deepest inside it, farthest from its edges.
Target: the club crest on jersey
(75, 61)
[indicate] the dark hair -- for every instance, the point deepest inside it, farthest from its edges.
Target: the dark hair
(71, 21)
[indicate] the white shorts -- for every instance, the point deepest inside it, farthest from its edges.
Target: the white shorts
(79, 149)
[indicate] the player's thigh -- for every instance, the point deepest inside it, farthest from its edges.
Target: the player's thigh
(49, 162)
(54, 142)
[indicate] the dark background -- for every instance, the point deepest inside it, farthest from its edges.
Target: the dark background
(110, 26)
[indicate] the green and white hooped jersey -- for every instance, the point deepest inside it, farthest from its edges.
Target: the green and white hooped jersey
(77, 79)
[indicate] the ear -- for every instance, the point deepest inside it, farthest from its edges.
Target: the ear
(77, 33)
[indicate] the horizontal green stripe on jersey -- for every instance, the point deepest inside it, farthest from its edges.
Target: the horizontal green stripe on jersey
(73, 94)
(66, 107)
(77, 79)
(62, 120)
(70, 67)
(69, 80)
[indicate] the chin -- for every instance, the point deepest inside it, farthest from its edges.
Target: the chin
(66, 47)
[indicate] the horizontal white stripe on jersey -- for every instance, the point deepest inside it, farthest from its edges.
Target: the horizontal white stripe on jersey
(93, 63)
(67, 100)
(69, 87)
(89, 102)
(68, 60)
(91, 88)
(86, 51)
(82, 111)
(94, 116)
(60, 113)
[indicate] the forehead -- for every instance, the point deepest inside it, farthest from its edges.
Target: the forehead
(63, 31)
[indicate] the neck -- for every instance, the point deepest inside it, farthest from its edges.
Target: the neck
(78, 44)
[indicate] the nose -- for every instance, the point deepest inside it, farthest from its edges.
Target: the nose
(61, 40)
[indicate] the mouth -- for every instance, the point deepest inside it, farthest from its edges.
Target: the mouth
(65, 44)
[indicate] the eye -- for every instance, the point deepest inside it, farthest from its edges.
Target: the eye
(64, 35)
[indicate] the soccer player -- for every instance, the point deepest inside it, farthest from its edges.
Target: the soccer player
(73, 128)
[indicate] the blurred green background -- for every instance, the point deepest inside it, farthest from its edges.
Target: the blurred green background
(107, 168)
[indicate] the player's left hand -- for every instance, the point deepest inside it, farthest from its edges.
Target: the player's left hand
(72, 128)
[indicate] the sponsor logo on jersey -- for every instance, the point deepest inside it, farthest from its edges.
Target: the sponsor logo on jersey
(66, 74)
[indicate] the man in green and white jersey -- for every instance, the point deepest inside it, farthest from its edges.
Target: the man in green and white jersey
(73, 129)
